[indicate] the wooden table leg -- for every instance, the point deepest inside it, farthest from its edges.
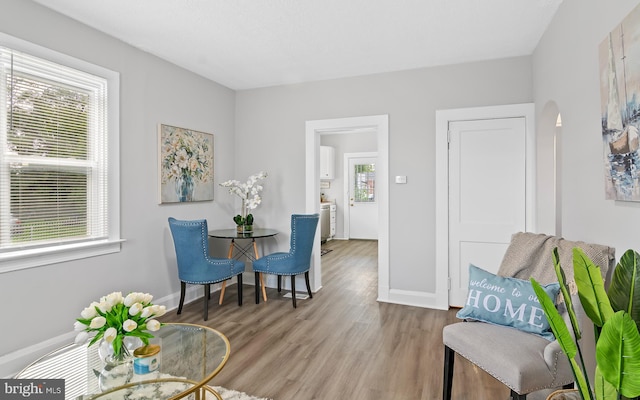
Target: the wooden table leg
(224, 283)
(264, 288)
(224, 286)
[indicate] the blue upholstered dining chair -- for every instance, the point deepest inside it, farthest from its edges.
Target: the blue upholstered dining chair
(297, 261)
(195, 266)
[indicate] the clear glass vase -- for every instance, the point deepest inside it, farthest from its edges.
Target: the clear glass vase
(109, 356)
(184, 188)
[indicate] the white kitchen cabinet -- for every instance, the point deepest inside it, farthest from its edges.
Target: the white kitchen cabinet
(327, 162)
(332, 221)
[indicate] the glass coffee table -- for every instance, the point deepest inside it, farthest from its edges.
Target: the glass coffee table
(190, 356)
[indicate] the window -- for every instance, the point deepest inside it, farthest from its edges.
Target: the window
(364, 183)
(55, 181)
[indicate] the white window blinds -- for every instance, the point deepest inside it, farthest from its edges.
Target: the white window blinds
(53, 160)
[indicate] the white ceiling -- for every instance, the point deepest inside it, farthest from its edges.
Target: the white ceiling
(245, 44)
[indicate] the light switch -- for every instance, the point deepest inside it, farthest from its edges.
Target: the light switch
(401, 179)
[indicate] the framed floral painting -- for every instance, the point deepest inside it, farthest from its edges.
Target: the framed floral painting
(186, 165)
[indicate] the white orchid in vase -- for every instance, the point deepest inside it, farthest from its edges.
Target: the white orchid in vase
(114, 317)
(249, 193)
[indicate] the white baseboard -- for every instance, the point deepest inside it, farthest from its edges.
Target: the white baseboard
(16, 361)
(412, 298)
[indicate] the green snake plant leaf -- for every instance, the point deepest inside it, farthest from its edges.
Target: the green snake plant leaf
(591, 290)
(624, 292)
(603, 389)
(618, 354)
(566, 295)
(563, 336)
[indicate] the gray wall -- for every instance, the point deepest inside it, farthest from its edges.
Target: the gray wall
(270, 130)
(263, 129)
(567, 78)
(39, 304)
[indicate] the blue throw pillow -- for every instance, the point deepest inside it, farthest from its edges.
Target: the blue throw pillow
(506, 301)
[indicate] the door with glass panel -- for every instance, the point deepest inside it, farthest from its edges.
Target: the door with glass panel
(361, 214)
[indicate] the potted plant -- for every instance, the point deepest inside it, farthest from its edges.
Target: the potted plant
(615, 314)
(244, 224)
(249, 193)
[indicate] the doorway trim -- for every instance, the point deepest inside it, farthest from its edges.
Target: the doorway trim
(443, 118)
(313, 130)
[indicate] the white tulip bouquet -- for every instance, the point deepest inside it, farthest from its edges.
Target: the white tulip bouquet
(115, 316)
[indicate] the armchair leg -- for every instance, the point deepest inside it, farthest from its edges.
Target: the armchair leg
(257, 286)
(293, 290)
(207, 291)
(183, 287)
(517, 396)
(449, 358)
(279, 283)
(306, 280)
(239, 277)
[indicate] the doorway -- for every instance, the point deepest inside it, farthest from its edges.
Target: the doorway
(314, 129)
(360, 196)
(444, 119)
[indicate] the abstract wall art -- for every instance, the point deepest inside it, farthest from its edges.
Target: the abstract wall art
(619, 55)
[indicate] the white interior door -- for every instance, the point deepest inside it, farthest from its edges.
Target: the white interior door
(487, 196)
(362, 205)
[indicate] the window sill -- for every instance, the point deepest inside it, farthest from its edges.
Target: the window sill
(17, 260)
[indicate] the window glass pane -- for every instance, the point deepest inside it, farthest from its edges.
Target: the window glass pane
(364, 183)
(49, 205)
(53, 185)
(46, 120)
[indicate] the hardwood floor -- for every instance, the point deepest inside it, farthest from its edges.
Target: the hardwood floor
(342, 344)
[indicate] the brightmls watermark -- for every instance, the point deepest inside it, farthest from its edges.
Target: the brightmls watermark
(39, 389)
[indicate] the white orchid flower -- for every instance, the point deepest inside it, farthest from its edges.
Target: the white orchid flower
(153, 325)
(98, 322)
(129, 325)
(110, 334)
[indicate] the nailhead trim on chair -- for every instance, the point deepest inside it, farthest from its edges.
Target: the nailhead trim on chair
(555, 371)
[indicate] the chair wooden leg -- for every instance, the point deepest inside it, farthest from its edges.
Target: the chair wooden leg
(517, 396)
(449, 358)
(263, 286)
(222, 289)
(239, 277)
(279, 283)
(293, 290)
(183, 288)
(257, 286)
(207, 290)
(306, 280)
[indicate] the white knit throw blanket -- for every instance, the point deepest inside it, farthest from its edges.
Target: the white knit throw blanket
(530, 255)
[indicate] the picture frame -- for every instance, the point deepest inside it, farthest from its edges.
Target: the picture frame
(619, 58)
(185, 167)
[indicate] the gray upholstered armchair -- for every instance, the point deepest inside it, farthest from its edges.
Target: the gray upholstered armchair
(522, 361)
